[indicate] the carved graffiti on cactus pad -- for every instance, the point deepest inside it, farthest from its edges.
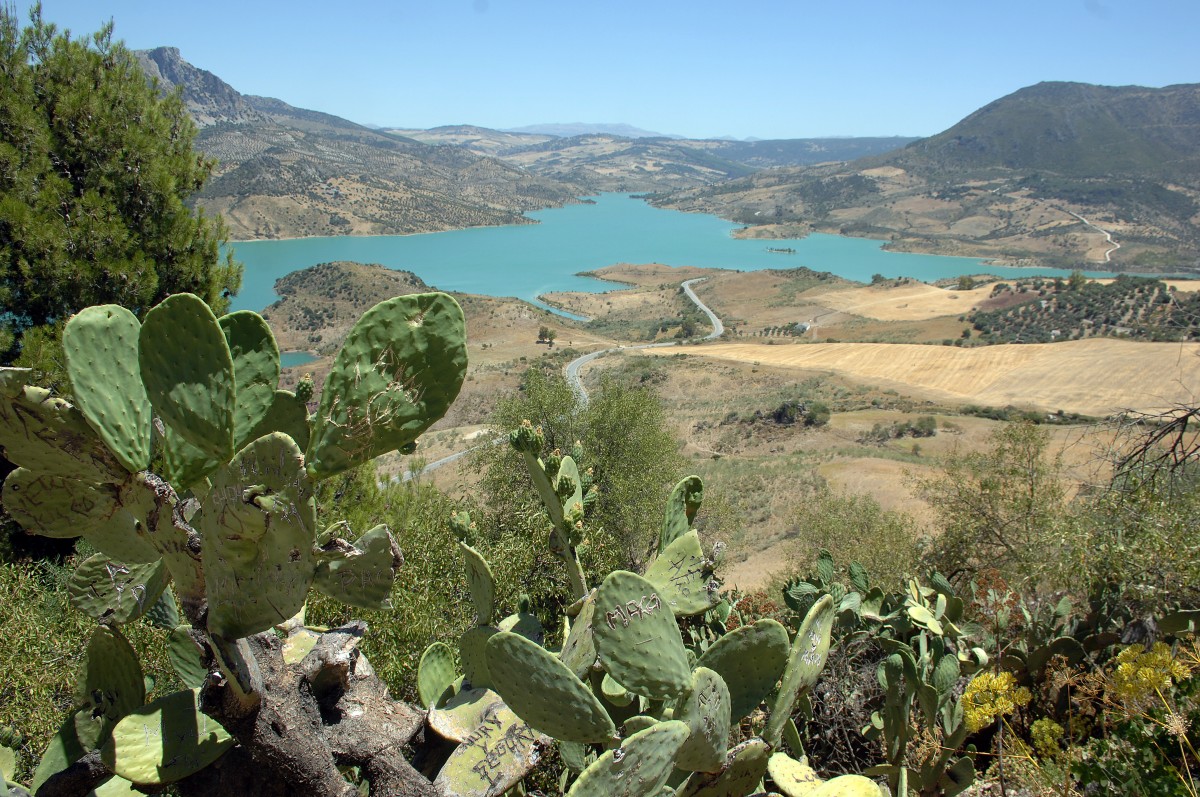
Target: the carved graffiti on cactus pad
(632, 610)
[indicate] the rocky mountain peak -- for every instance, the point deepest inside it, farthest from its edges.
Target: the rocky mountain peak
(209, 99)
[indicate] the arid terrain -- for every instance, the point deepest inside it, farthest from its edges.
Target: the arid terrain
(722, 397)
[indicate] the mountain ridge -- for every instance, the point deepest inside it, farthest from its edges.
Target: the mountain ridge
(1064, 174)
(286, 172)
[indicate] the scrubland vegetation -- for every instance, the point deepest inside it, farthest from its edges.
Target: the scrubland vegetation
(1031, 633)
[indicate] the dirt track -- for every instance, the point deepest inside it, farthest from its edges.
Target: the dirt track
(1094, 377)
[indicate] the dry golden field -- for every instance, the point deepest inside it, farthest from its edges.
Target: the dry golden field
(1092, 377)
(914, 301)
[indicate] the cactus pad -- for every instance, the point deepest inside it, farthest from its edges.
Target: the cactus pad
(363, 578)
(544, 692)
(47, 435)
(579, 649)
(805, 662)
(472, 654)
(115, 787)
(568, 475)
(257, 526)
(183, 463)
(526, 625)
(684, 577)
(188, 372)
(186, 657)
(101, 346)
(164, 613)
(637, 637)
(106, 589)
(435, 673)
(750, 659)
(287, 414)
(681, 510)
(705, 710)
(638, 768)
(400, 368)
(793, 778)
(744, 768)
(111, 686)
(57, 506)
(461, 715)
(165, 740)
(255, 370)
(298, 643)
(847, 786)
(497, 754)
(481, 584)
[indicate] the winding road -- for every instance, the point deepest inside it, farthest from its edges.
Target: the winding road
(573, 379)
(571, 371)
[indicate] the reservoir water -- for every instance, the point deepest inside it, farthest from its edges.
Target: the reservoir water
(528, 260)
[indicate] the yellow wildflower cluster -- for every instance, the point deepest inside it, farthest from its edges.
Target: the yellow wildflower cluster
(1045, 735)
(991, 695)
(1139, 674)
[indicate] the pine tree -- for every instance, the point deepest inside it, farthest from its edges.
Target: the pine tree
(95, 172)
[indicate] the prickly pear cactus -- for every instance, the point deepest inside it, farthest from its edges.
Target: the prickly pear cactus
(705, 710)
(101, 347)
(481, 584)
(793, 778)
(363, 575)
(165, 740)
(750, 660)
(255, 370)
(49, 436)
(544, 693)
(287, 414)
(111, 687)
(435, 673)
(681, 510)
(684, 577)
(188, 373)
(744, 768)
(639, 766)
(108, 590)
(187, 656)
(459, 716)
(809, 651)
(638, 639)
(579, 649)
(257, 523)
(493, 758)
(847, 786)
(400, 368)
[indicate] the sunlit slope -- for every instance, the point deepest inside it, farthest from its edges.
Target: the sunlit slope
(1094, 377)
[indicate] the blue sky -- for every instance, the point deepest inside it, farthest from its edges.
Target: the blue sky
(700, 68)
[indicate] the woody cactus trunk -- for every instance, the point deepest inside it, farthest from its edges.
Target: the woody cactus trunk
(192, 474)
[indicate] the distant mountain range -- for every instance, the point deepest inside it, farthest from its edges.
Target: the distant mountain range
(607, 162)
(289, 172)
(1061, 173)
(568, 130)
(1065, 174)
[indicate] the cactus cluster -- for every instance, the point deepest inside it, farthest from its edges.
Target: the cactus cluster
(632, 708)
(188, 469)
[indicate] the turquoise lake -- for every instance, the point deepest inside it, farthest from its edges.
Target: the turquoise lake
(528, 260)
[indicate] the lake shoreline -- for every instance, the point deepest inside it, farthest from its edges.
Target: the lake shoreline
(564, 247)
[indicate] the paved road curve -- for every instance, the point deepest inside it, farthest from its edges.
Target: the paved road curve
(572, 369)
(572, 373)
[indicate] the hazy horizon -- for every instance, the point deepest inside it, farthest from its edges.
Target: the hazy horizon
(697, 69)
